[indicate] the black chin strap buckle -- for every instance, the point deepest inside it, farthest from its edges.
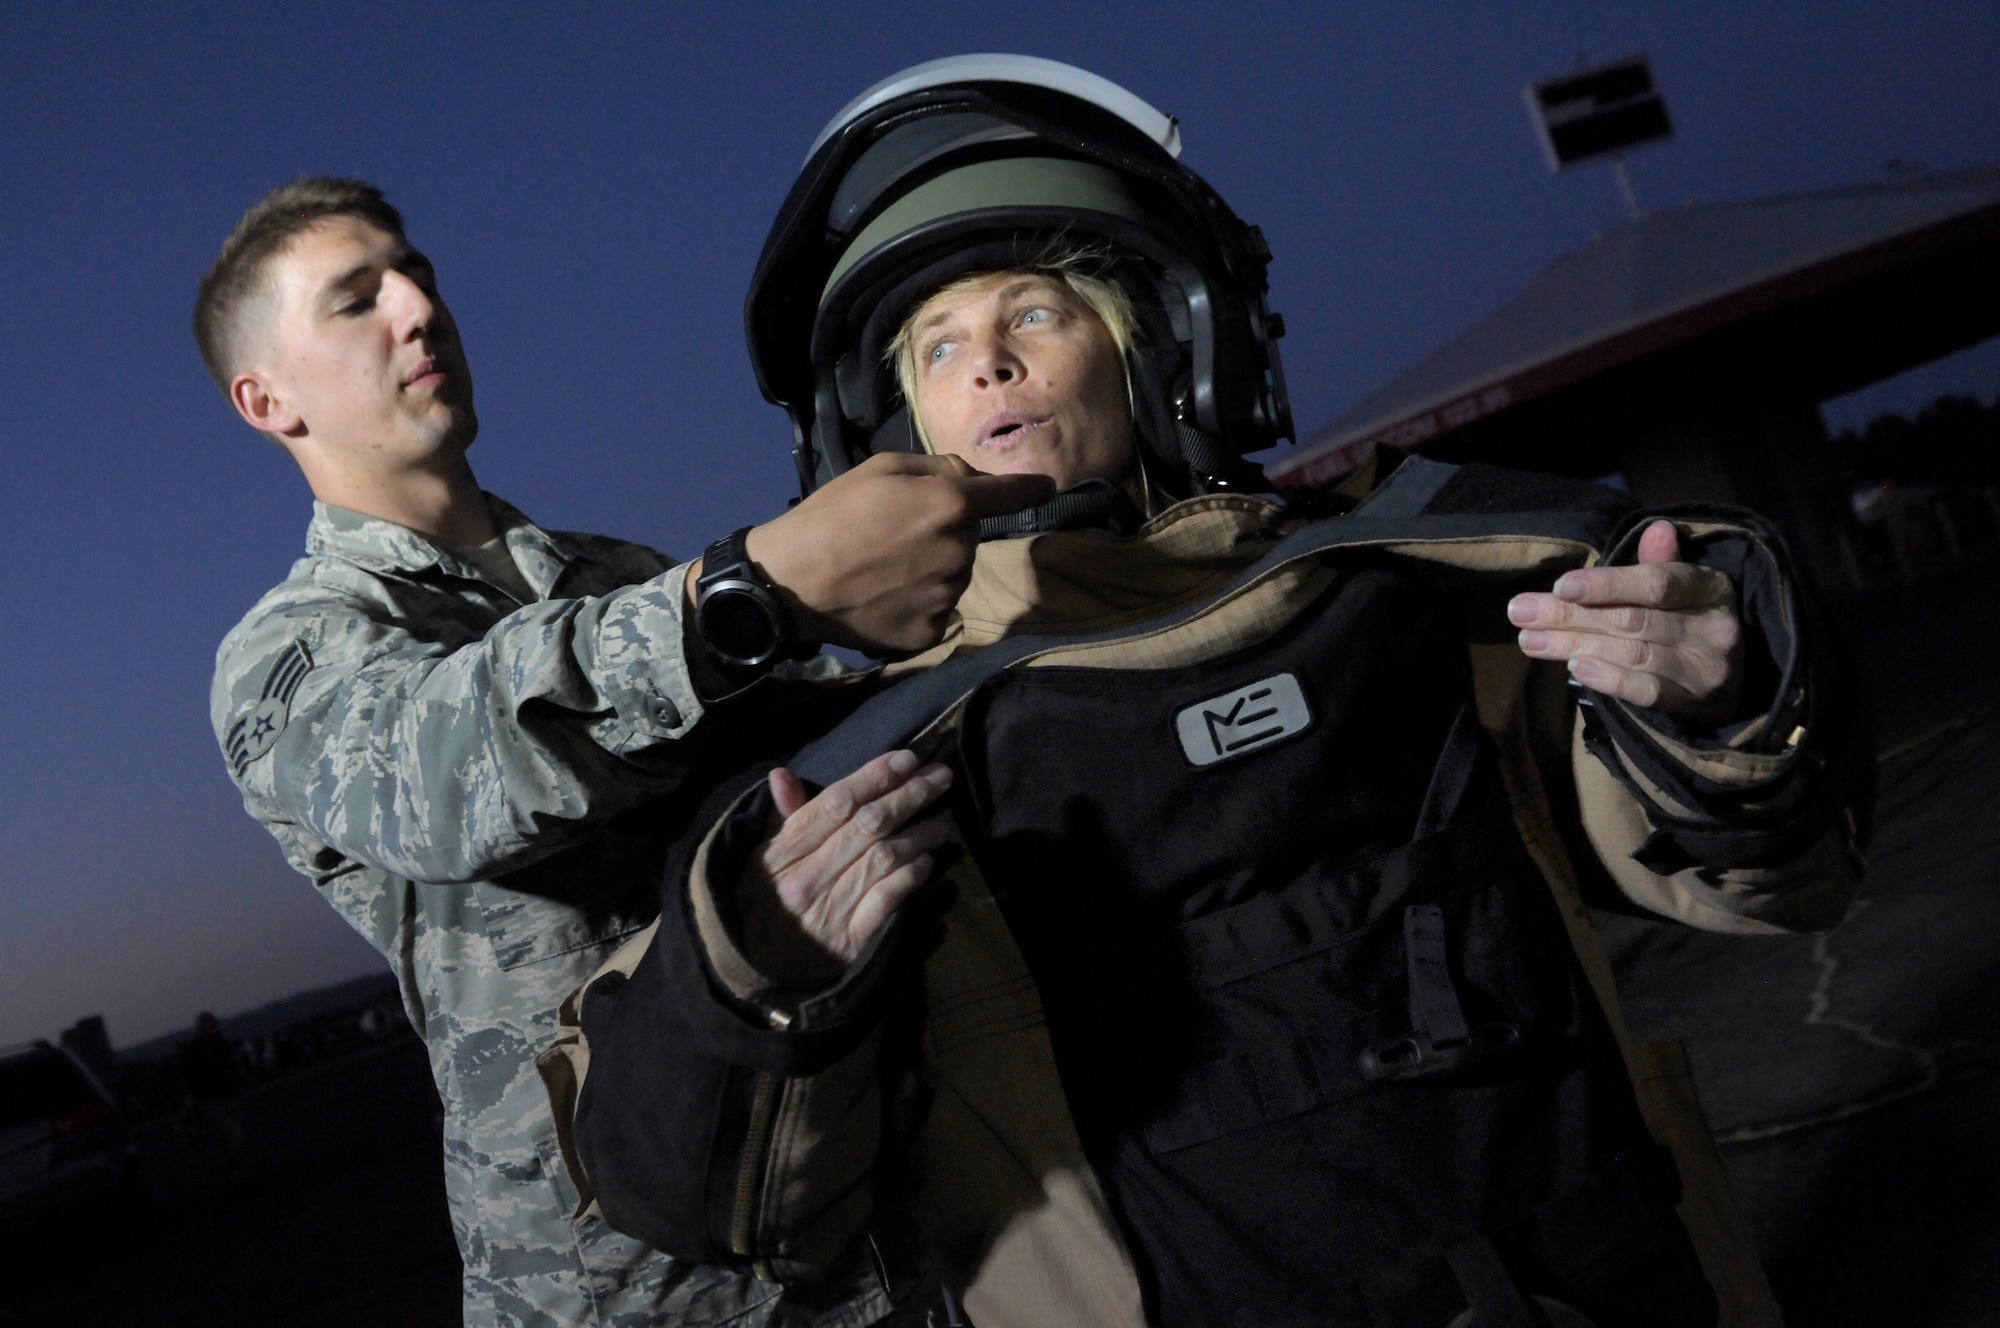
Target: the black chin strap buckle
(1440, 1043)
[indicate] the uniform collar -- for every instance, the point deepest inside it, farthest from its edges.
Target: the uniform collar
(383, 546)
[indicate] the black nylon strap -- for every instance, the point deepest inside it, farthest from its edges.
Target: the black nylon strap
(1392, 513)
(1451, 781)
(1409, 489)
(1435, 1013)
(1093, 503)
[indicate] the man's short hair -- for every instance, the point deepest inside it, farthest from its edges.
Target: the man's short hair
(266, 229)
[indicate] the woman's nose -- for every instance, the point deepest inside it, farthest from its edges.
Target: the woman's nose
(996, 365)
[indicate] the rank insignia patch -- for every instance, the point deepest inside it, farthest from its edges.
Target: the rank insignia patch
(257, 728)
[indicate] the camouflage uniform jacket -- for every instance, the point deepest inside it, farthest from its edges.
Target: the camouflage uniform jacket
(447, 765)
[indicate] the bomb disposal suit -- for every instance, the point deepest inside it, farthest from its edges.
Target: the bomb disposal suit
(1260, 988)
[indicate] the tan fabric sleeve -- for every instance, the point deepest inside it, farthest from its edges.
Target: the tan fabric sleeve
(566, 1061)
(1665, 1083)
(805, 1190)
(1007, 1196)
(1810, 892)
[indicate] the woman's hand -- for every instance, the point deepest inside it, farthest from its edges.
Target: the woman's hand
(836, 867)
(1663, 633)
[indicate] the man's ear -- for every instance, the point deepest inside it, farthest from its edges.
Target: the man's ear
(264, 406)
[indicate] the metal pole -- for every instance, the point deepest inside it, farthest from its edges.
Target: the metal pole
(1625, 187)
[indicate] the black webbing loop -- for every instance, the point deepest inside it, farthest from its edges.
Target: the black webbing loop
(1440, 1041)
(1203, 454)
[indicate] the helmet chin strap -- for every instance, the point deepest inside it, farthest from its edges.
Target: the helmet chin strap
(1093, 504)
(1212, 467)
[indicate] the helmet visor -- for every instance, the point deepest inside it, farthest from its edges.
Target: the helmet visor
(1011, 183)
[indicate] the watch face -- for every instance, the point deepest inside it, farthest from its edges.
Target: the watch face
(738, 625)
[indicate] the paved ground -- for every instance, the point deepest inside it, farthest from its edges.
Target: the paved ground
(1851, 1077)
(338, 1221)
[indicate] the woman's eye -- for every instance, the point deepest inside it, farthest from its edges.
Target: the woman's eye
(1035, 315)
(938, 351)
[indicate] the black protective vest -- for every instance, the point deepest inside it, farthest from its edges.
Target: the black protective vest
(1316, 1015)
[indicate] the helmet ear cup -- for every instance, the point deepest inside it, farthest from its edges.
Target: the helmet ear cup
(898, 433)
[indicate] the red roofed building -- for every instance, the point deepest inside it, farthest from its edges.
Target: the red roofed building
(1690, 350)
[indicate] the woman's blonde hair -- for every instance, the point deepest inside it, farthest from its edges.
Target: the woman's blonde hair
(1072, 265)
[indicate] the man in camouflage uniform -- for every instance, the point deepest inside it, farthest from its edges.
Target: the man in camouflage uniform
(469, 732)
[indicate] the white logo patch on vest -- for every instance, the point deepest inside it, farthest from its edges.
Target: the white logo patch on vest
(1243, 721)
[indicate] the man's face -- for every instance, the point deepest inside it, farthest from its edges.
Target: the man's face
(1017, 375)
(358, 345)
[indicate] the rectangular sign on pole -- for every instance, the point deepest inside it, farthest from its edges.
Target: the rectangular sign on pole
(1600, 112)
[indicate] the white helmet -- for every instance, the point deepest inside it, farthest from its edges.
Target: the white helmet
(975, 163)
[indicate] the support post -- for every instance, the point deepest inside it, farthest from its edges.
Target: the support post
(1625, 187)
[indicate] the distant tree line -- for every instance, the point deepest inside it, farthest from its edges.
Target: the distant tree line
(1954, 442)
(1914, 496)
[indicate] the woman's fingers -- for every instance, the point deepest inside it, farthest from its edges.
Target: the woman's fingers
(840, 862)
(1659, 633)
(843, 912)
(873, 822)
(881, 900)
(809, 825)
(1636, 686)
(1660, 543)
(787, 792)
(1627, 620)
(1698, 667)
(1653, 601)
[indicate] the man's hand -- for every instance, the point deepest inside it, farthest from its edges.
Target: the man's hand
(878, 556)
(1662, 634)
(835, 867)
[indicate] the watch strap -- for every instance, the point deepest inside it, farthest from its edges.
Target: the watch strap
(728, 558)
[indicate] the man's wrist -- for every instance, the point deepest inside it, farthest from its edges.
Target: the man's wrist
(704, 670)
(783, 568)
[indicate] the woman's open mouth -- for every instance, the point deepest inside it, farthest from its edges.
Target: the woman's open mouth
(1010, 429)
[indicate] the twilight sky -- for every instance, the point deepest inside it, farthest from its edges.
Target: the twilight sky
(594, 185)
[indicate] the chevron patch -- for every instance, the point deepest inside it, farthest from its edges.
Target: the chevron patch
(260, 722)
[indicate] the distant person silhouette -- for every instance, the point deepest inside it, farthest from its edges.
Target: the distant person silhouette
(207, 1063)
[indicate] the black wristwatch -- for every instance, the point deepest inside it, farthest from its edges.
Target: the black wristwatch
(739, 616)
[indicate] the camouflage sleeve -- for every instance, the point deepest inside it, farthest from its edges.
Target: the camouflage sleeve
(452, 765)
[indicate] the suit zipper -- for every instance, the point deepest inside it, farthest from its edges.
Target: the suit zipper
(744, 1220)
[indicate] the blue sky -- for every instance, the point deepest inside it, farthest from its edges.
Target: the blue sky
(594, 184)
